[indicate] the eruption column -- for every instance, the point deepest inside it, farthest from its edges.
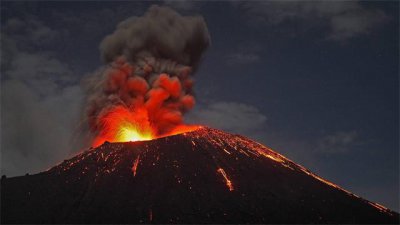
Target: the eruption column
(146, 86)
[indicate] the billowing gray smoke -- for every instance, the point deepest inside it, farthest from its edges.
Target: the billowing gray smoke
(161, 33)
(149, 63)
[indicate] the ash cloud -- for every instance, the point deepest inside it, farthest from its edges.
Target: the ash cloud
(159, 33)
(149, 62)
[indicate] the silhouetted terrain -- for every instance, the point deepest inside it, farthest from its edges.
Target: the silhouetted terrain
(205, 176)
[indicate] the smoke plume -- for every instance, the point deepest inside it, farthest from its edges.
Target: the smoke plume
(147, 78)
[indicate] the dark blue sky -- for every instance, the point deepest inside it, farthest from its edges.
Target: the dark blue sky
(317, 82)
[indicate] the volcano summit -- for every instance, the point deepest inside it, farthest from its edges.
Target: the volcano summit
(203, 176)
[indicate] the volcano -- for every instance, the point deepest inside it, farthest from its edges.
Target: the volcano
(203, 176)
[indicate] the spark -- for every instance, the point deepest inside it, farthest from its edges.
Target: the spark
(135, 165)
(271, 157)
(380, 207)
(226, 151)
(227, 181)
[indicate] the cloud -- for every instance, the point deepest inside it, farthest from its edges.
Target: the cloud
(183, 5)
(338, 20)
(40, 100)
(339, 142)
(97, 21)
(229, 116)
(242, 58)
(355, 23)
(36, 132)
(30, 32)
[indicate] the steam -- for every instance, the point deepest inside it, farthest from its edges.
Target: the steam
(149, 60)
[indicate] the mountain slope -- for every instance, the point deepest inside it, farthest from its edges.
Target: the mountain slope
(204, 176)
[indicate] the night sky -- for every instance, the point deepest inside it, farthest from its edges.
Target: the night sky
(317, 82)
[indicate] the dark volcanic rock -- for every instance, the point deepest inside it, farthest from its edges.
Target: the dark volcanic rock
(205, 176)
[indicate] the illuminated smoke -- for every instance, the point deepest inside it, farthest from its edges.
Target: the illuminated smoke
(147, 80)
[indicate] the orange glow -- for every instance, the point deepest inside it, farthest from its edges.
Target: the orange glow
(129, 132)
(122, 124)
(227, 181)
(183, 129)
(135, 165)
(380, 207)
